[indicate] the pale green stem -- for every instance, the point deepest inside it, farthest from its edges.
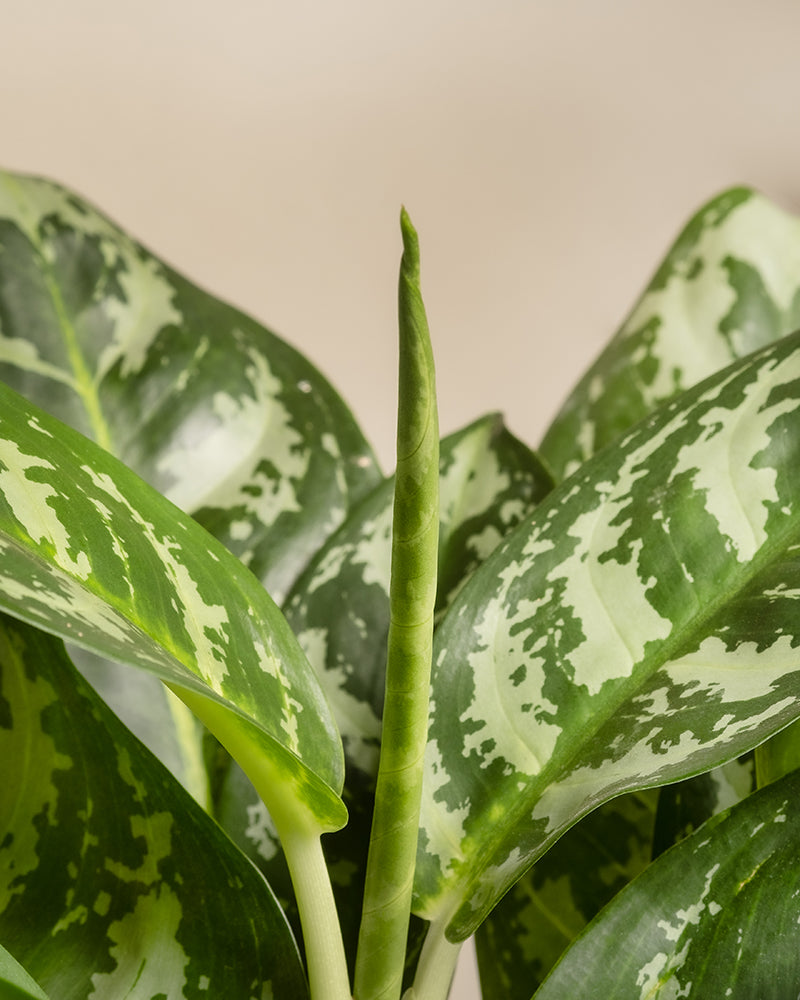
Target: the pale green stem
(383, 933)
(299, 831)
(327, 966)
(437, 965)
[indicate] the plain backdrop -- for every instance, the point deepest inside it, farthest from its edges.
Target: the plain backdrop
(547, 151)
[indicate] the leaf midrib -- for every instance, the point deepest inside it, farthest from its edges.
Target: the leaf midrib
(670, 648)
(83, 381)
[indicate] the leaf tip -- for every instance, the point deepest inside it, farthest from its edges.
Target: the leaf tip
(410, 244)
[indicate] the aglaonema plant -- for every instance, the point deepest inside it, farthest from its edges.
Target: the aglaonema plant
(275, 725)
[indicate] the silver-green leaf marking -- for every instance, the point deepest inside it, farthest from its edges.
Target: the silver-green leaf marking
(634, 632)
(92, 553)
(728, 286)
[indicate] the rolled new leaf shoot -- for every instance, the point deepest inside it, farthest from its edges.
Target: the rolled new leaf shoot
(390, 867)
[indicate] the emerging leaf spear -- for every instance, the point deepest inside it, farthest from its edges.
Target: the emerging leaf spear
(393, 844)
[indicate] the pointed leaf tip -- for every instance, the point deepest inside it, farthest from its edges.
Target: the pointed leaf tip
(410, 262)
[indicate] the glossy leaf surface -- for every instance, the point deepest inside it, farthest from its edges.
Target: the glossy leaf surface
(686, 805)
(339, 609)
(532, 925)
(729, 285)
(705, 920)
(340, 612)
(212, 409)
(15, 983)
(113, 883)
(92, 553)
(634, 632)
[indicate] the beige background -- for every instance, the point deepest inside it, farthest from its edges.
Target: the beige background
(547, 151)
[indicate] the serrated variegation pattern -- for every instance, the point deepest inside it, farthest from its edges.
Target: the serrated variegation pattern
(490, 483)
(729, 286)
(113, 883)
(635, 631)
(212, 409)
(716, 916)
(90, 552)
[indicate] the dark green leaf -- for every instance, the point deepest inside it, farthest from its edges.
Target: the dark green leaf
(716, 916)
(527, 932)
(113, 883)
(340, 611)
(686, 805)
(212, 409)
(15, 983)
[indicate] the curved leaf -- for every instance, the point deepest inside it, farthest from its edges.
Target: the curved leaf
(490, 482)
(704, 920)
(212, 409)
(527, 932)
(154, 715)
(339, 610)
(729, 285)
(632, 633)
(532, 925)
(686, 805)
(112, 881)
(92, 553)
(15, 983)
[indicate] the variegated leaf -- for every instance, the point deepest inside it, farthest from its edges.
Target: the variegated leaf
(216, 412)
(340, 611)
(490, 483)
(729, 285)
(705, 920)
(155, 715)
(212, 409)
(92, 553)
(532, 925)
(113, 883)
(15, 983)
(637, 630)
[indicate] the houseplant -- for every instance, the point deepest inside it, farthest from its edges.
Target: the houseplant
(183, 493)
